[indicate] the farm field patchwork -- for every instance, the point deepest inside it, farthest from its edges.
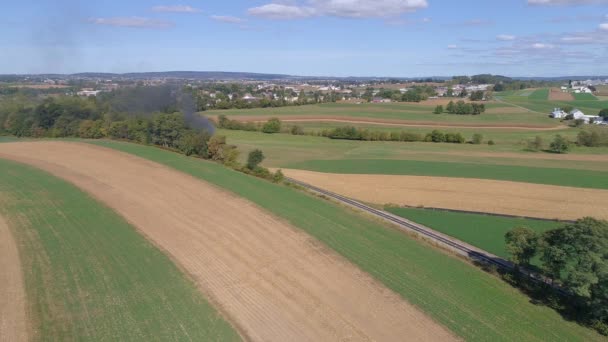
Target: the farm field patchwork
(496, 113)
(538, 175)
(476, 306)
(283, 150)
(273, 281)
(89, 275)
(478, 195)
(483, 231)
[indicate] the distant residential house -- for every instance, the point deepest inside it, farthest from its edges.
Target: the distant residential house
(88, 92)
(249, 98)
(558, 113)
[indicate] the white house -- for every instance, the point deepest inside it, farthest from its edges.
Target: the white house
(558, 113)
(578, 115)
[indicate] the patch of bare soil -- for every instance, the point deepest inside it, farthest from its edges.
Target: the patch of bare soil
(273, 281)
(13, 319)
(557, 95)
(500, 197)
(387, 122)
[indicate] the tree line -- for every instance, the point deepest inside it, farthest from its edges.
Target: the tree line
(461, 108)
(140, 120)
(575, 258)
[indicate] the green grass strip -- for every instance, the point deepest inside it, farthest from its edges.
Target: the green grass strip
(90, 276)
(484, 231)
(473, 304)
(540, 94)
(538, 175)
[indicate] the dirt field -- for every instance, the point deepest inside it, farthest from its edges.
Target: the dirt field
(13, 323)
(274, 282)
(557, 95)
(385, 122)
(501, 197)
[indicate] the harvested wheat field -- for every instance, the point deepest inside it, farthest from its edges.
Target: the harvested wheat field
(558, 95)
(500, 197)
(271, 280)
(13, 323)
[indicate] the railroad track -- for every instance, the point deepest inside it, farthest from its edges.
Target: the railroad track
(458, 246)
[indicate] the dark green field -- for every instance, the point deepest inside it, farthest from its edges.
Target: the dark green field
(540, 94)
(551, 176)
(483, 231)
(584, 97)
(473, 304)
(89, 276)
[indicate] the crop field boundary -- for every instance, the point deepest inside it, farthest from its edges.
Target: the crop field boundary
(450, 243)
(484, 213)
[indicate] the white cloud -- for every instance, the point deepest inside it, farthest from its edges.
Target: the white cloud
(280, 11)
(604, 27)
(542, 46)
(505, 37)
(227, 19)
(135, 22)
(566, 2)
(452, 47)
(339, 8)
(426, 20)
(176, 9)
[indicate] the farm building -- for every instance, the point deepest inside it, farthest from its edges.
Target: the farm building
(576, 114)
(558, 113)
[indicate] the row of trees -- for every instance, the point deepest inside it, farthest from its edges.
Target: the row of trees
(461, 108)
(575, 257)
(414, 94)
(436, 136)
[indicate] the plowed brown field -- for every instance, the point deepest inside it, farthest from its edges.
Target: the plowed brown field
(500, 197)
(558, 95)
(274, 282)
(13, 324)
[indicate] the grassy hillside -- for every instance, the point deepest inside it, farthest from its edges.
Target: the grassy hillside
(564, 177)
(474, 305)
(483, 231)
(90, 276)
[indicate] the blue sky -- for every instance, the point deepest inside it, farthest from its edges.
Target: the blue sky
(308, 37)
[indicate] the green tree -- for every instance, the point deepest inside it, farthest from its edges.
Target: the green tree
(522, 243)
(589, 138)
(559, 145)
(535, 144)
(477, 139)
(450, 108)
(272, 126)
(297, 130)
(438, 109)
(604, 114)
(576, 255)
(194, 143)
(216, 146)
(477, 95)
(254, 159)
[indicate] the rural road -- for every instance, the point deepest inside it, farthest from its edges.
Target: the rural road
(409, 226)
